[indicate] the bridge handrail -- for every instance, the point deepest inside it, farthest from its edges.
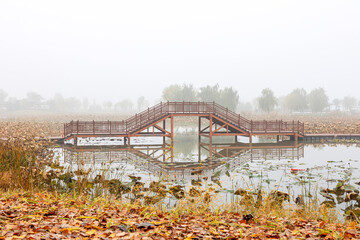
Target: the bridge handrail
(142, 119)
(277, 126)
(94, 127)
(231, 116)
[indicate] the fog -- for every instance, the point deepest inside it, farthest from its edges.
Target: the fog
(110, 51)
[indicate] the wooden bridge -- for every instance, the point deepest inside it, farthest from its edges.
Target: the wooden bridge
(152, 122)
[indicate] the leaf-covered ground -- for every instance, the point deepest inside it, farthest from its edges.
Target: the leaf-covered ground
(48, 216)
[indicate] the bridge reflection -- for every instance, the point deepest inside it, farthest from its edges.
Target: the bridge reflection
(165, 160)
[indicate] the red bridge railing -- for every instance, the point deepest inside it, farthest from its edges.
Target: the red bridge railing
(157, 112)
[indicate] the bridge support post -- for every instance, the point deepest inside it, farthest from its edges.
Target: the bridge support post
(199, 151)
(199, 126)
(210, 152)
(172, 128)
(164, 127)
(210, 128)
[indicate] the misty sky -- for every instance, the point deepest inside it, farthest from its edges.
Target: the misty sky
(111, 50)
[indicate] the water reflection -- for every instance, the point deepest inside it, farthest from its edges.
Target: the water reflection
(184, 157)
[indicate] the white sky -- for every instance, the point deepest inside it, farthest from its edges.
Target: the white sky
(111, 50)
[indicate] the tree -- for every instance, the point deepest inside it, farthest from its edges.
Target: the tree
(107, 105)
(337, 103)
(72, 104)
(245, 107)
(124, 106)
(85, 104)
(3, 96)
(188, 93)
(296, 100)
(318, 100)
(95, 107)
(179, 93)
(349, 103)
(171, 93)
(57, 103)
(142, 103)
(32, 100)
(267, 101)
(229, 98)
(210, 93)
(13, 104)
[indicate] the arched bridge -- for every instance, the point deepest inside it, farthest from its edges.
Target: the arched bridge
(221, 122)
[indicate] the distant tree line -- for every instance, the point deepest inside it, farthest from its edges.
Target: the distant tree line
(297, 101)
(228, 97)
(34, 102)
